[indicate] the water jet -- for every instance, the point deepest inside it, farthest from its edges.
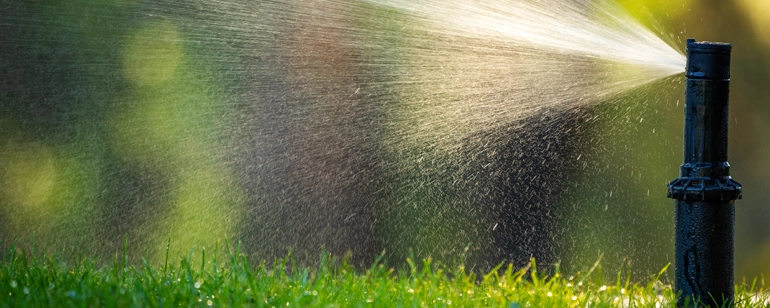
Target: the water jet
(705, 192)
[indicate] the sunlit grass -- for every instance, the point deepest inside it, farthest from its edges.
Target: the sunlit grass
(225, 278)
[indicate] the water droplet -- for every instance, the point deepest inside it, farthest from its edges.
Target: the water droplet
(13, 284)
(26, 290)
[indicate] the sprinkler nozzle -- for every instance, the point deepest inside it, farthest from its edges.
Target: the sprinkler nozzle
(705, 211)
(708, 60)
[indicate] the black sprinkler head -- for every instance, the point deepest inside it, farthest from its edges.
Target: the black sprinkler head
(705, 211)
(708, 60)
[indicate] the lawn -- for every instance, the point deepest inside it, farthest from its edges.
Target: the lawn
(225, 278)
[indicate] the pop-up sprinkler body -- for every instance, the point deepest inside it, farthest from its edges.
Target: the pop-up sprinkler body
(705, 192)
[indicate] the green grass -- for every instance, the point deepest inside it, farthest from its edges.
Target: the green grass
(30, 281)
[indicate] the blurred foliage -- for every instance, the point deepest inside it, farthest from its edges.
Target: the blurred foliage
(103, 121)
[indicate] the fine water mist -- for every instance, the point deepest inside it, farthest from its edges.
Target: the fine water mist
(436, 129)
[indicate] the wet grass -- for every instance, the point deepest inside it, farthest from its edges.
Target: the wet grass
(227, 279)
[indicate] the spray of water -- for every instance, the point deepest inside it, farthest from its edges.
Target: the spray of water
(351, 124)
(534, 54)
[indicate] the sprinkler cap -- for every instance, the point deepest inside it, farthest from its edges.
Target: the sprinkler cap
(708, 60)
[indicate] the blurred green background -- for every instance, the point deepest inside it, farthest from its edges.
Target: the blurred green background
(131, 120)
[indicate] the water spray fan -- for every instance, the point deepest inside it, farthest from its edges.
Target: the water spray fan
(705, 192)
